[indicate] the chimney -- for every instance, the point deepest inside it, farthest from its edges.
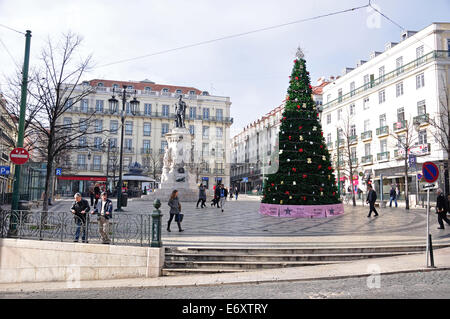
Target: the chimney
(406, 34)
(389, 45)
(332, 77)
(360, 62)
(374, 54)
(347, 70)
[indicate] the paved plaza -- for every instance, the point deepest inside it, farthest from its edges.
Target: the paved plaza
(241, 224)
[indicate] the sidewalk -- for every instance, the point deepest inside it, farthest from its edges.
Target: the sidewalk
(360, 268)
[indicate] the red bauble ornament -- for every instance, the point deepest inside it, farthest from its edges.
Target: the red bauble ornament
(330, 168)
(294, 169)
(300, 150)
(304, 197)
(300, 127)
(287, 193)
(298, 106)
(334, 193)
(295, 61)
(319, 167)
(289, 137)
(272, 184)
(321, 146)
(305, 176)
(296, 77)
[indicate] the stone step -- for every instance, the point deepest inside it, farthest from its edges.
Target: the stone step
(277, 257)
(240, 265)
(197, 271)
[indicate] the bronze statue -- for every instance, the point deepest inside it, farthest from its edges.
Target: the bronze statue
(180, 110)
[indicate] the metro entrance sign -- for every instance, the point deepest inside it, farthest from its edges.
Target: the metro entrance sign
(19, 156)
(430, 172)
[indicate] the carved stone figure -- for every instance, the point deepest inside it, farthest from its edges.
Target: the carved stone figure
(180, 110)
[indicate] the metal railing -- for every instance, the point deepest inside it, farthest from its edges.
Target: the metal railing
(124, 228)
(421, 119)
(366, 135)
(384, 130)
(368, 159)
(431, 56)
(399, 126)
(383, 156)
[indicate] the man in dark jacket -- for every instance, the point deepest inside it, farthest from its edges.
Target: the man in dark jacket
(442, 209)
(79, 209)
(393, 197)
(371, 198)
(103, 210)
(217, 196)
(201, 196)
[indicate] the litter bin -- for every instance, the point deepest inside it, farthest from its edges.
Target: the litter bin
(124, 199)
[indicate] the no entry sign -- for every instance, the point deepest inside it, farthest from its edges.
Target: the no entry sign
(430, 172)
(19, 156)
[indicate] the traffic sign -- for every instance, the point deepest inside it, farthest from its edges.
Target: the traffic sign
(58, 172)
(430, 172)
(19, 156)
(5, 170)
(429, 186)
(419, 176)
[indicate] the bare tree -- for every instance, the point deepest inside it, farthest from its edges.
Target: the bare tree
(153, 163)
(405, 138)
(440, 122)
(349, 157)
(54, 88)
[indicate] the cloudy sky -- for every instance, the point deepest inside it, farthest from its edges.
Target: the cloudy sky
(252, 70)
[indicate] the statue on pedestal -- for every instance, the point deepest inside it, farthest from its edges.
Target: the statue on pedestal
(180, 110)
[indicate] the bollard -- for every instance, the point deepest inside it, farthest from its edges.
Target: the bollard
(431, 251)
(156, 224)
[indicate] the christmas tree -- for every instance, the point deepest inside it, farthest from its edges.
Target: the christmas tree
(305, 175)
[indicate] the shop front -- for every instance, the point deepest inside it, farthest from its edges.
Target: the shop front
(69, 185)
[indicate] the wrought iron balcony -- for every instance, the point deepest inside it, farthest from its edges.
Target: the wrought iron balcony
(330, 145)
(383, 156)
(399, 126)
(422, 119)
(341, 143)
(96, 167)
(353, 139)
(128, 150)
(146, 150)
(81, 167)
(354, 161)
(383, 131)
(365, 136)
(366, 160)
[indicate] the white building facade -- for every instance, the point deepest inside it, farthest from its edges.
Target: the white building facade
(399, 88)
(207, 118)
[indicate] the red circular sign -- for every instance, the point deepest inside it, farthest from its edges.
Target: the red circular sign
(430, 172)
(19, 156)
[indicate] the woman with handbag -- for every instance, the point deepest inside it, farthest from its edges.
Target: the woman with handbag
(175, 210)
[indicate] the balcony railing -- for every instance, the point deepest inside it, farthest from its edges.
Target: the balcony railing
(353, 139)
(399, 126)
(421, 119)
(383, 156)
(81, 167)
(146, 150)
(330, 145)
(97, 167)
(368, 159)
(431, 56)
(366, 135)
(354, 161)
(128, 150)
(341, 143)
(399, 153)
(382, 131)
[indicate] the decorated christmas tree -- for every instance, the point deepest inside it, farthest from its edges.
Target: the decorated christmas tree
(305, 175)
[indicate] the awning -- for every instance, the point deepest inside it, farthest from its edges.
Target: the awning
(83, 178)
(139, 178)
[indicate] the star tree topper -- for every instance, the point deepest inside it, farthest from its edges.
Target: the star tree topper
(300, 54)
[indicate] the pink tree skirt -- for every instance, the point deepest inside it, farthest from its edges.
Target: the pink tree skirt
(302, 211)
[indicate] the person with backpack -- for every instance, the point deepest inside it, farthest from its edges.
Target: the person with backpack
(393, 196)
(371, 198)
(442, 208)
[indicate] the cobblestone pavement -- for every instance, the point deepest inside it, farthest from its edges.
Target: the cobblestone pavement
(434, 284)
(241, 219)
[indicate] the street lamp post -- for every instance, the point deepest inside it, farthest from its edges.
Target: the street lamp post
(113, 102)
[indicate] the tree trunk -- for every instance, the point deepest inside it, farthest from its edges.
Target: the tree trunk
(406, 181)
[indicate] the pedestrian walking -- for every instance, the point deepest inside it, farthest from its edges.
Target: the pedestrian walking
(359, 191)
(216, 199)
(442, 208)
(97, 193)
(236, 193)
(91, 193)
(393, 196)
(371, 198)
(201, 196)
(175, 210)
(231, 192)
(223, 194)
(103, 210)
(79, 209)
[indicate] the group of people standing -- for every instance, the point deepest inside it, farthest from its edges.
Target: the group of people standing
(220, 196)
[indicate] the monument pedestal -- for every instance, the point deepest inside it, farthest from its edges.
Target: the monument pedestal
(176, 172)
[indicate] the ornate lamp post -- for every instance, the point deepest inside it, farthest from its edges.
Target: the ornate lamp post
(113, 105)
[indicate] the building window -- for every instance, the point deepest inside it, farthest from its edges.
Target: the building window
(206, 113)
(97, 162)
(147, 89)
(98, 143)
(352, 109)
(366, 103)
(147, 129)
(353, 153)
(339, 114)
(353, 130)
(99, 106)
(83, 125)
(81, 159)
(219, 114)
(422, 137)
(419, 55)
(113, 142)
(352, 88)
(84, 105)
(399, 89)
(165, 110)
(329, 138)
(367, 150)
(113, 126)
(205, 131)
(400, 114)
(128, 144)
(98, 125)
(128, 128)
(381, 73)
(340, 95)
(164, 128)
(205, 149)
(366, 125)
(381, 96)
(328, 97)
(82, 141)
(219, 132)
(420, 81)
(146, 145)
(192, 113)
(382, 120)
(421, 108)
(328, 118)
(67, 122)
(366, 81)
(147, 109)
(192, 129)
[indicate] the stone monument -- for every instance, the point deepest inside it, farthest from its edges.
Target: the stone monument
(178, 157)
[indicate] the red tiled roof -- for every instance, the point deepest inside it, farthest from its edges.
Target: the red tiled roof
(143, 85)
(319, 89)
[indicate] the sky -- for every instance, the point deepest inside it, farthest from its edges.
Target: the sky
(252, 70)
